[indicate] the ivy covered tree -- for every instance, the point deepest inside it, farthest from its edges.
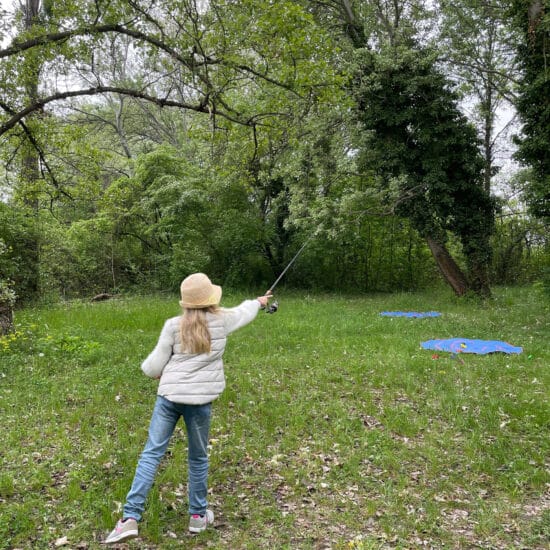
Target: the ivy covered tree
(426, 155)
(412, 136)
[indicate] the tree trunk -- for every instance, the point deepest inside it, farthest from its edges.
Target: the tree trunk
(30, 162)
(478, 269)
(30, 175)
(452, 274)
(6, 318)
(479, 277)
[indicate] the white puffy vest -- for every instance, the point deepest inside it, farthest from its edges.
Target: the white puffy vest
(195, 379)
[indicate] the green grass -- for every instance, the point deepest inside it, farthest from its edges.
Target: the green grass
(336, 429)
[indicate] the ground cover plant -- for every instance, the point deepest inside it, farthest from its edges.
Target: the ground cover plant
(336, 429)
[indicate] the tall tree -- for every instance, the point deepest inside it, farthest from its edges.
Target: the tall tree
(426, 154)
(532, 20)
(414, 137)
(29, 172)
(30, 161)
(193, 57)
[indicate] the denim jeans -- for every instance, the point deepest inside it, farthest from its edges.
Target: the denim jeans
(163, 422)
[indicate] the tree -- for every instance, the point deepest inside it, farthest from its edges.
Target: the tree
(425, 154)
(484, 67)
(353, 239)
(532, 21)
(414, 138)
(182, 56)
(29, 175)
(193, 57)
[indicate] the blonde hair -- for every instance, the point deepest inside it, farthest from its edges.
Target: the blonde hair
(194, 332)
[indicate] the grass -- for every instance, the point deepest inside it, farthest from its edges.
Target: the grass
(336, 429)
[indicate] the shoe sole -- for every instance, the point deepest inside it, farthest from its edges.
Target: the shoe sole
(122, 536)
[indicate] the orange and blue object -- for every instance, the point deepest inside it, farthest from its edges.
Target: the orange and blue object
(466, 345)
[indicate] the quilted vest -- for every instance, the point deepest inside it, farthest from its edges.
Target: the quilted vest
(195, 379)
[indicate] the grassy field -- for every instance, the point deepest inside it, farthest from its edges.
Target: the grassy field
(336, 429)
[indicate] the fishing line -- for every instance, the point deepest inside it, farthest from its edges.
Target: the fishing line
(275, 305)
(289, 264)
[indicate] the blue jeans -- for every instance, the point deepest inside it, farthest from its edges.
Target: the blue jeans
(163, 422)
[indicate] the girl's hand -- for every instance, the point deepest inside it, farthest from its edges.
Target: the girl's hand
(265, 298)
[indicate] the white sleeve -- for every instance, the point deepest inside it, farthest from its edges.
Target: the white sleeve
(159, 357)
(237, 317)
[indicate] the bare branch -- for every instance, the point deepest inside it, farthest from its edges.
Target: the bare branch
(201, 107)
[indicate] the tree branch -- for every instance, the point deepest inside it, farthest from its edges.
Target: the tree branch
(201, 107)
(52, 38)
(190, 62)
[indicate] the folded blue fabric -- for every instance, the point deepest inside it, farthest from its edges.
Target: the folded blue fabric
(465, 345)
(410, 314)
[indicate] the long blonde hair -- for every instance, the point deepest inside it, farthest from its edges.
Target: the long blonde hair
(194, 332)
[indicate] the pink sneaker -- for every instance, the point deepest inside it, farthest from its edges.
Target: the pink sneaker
(197, 523)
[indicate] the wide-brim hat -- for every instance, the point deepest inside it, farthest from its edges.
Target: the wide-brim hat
(197, 291)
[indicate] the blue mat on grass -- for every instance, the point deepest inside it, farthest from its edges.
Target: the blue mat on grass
(415, 314)
(465, 345)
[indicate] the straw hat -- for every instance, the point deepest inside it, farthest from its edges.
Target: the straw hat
(197, 291)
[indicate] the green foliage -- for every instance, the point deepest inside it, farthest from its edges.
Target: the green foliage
(370, 254)
(521, 252)
(131, 221)
(185, 217)
(82, 259)
(18, 232)
(251, 156)
(532, 21)
(352, 242)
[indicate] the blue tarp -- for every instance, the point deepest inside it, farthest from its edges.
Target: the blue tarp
(410, 314)
(465, 345)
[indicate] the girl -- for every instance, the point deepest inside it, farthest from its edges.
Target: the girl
(188, 361)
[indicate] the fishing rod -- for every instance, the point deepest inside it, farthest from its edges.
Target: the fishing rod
(275, 305)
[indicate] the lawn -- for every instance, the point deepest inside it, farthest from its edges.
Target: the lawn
(336, 429)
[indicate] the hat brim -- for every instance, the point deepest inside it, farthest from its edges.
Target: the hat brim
(212, 300)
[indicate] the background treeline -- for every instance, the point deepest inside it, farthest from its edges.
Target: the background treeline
(141, 141)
